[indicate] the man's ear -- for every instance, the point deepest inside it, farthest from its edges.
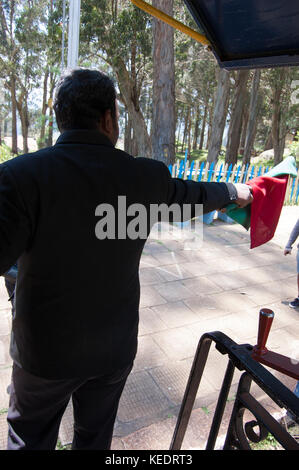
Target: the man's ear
(106, 123)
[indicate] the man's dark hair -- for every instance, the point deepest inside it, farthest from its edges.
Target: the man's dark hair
(81, 99)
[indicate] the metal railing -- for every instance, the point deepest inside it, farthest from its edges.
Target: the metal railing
(239, 435)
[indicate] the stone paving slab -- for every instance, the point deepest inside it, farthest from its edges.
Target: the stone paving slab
(185, 293)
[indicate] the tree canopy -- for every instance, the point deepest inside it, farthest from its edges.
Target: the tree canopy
(167, 106)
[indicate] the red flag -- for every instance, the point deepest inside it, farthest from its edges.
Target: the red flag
(268, 197)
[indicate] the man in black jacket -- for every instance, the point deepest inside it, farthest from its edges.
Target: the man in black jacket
(75, 324)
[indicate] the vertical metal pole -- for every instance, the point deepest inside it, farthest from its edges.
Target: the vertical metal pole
(220, 406)
(195, 376)
(63, 37)
(74, 27)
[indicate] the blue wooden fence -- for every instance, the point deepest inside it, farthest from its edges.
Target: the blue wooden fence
(223, 172)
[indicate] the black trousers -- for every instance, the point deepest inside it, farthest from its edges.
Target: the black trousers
(37, 406)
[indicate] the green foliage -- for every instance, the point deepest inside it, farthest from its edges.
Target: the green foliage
(60, 446)
(294, 146)
(118, 33)
(270, 443)
(196, 155)
(5, 153)
(206, 410)
(115, 31)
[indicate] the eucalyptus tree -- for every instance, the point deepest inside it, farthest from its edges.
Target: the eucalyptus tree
(219, 115)
(163, 125)
(195, 86)
(235, 125)
(119, 34)
(251, 126)
(280, 114)
(52, 67)
(9, 58)
(30, 40)
(21, 46)
(4, 108)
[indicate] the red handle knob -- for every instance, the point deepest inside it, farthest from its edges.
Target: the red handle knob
(265, 322)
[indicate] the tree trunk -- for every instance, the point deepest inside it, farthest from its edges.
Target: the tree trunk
(14, 134)
(186, 128)
(138, 123)
(49, 140)
(280, 107)
(219, 116)
(203, 126)
(41, 140)
(269, 141)
(189, 132)
(163, 136)
(253, 111)
(245, 118)
(23, 113)
(235, 126)
(127, 136)
(196, 129)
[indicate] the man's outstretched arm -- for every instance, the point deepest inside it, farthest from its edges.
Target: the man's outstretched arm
(212, 196)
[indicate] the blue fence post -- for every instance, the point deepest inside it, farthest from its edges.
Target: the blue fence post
(170, 169)
(210, 171)
(245, 173)
(237, 174)
(229, 170)
(201, 171)
(191, 169)
(220, 173)
(251, 173)
(181, 169)
(292, 190)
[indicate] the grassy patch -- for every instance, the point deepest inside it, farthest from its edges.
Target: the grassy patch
(206, 410)
(60, 446)
(196, 155)
(270, 443)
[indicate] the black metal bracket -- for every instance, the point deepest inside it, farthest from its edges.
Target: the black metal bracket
(238, 435)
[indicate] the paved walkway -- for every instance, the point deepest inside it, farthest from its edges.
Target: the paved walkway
(185, 293)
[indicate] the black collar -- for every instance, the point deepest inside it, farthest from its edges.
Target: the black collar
(84, 136)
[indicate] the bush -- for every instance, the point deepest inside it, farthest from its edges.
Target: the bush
(5, 153)
(294, 147)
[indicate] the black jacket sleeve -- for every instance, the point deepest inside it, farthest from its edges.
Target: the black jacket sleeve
(212, 196)
(14, 221)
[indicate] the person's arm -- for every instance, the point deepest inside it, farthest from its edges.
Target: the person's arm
(14, 221)
(292, 239)
(212, 196)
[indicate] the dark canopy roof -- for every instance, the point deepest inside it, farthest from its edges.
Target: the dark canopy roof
(250, 33)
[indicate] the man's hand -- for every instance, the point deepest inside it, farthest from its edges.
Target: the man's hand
(244, 194)
(287, 251)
